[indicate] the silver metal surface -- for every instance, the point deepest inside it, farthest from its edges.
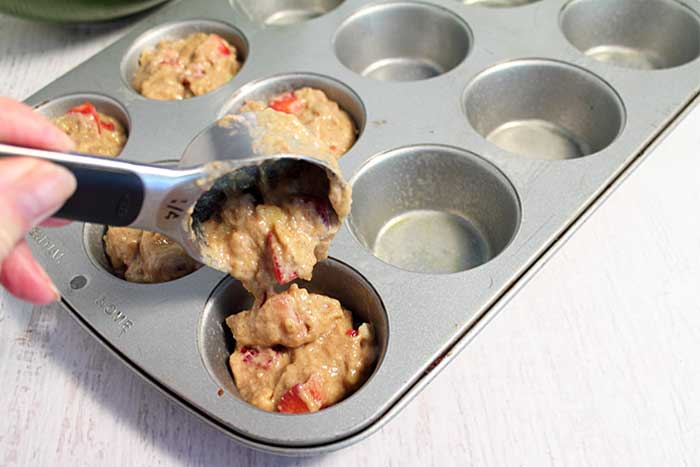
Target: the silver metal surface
(498, 3)
(643, 34)
(433, 209)
(402, 41)
(544, 109)
(508, 93)
(285, 12)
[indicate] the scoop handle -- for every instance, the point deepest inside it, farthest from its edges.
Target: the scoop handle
(108, 191)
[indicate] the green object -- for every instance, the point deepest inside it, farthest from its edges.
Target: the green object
(75, 11)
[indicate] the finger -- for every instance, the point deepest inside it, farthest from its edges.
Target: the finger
(32, 190)
(55, 222)
(22, 276)
(22, 126)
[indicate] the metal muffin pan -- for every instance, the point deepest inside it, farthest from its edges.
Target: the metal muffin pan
(498, 122)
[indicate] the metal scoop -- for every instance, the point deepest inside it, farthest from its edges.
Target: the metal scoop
(220, 162)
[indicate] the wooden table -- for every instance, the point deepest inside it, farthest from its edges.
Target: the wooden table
(594, 363)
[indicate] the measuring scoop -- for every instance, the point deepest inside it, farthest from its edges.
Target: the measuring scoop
(221, 162)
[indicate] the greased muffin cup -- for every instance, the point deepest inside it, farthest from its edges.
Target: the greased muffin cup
(482, 144)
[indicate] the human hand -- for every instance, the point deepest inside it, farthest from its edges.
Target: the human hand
(31, 191)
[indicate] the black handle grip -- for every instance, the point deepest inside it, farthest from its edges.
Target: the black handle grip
(103, 196)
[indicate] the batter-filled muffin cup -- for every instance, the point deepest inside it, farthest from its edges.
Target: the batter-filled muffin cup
(298, 352)
(177, 69)
(146, 257)
(322, 117)
(135, 255)
(295, 351)
(92, 132)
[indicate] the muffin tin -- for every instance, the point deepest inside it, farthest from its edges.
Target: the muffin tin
(488, 131)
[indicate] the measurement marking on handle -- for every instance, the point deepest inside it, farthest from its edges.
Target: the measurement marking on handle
(174, 210)
(111, 310)
(51, 250)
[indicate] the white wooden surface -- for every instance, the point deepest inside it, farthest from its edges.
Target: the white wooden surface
(594, 363)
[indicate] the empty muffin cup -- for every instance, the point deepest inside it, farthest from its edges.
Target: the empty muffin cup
(331, 278)
(402, 41)
(544, 109)
(433, 209)
(642, 34)
(285, 12)
(498, 3)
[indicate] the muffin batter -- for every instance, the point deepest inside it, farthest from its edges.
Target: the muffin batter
(146, 257)
(267, 244)
(321, 116)
(295, 351)
(298, 352)
(183, 68)
(278, 233)
(91, 131)
(136, 255)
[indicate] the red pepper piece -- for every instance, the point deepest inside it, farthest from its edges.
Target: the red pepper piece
(283, 273)
(287, 103)
(253, 355)
(351, 332)
(291, 401)
(88, 109)
(224, 49)
(85, 108)
(313, 385)
(249, 354)
(222, 46)
(109, 126)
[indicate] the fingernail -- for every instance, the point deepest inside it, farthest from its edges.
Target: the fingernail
(40, 272)
(43, 191)
(56, 293)
(62, 142)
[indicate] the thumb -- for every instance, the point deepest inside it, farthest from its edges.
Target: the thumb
(30, 191)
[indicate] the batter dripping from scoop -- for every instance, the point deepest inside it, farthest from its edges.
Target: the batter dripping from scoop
(295, 351)
(280, 231)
